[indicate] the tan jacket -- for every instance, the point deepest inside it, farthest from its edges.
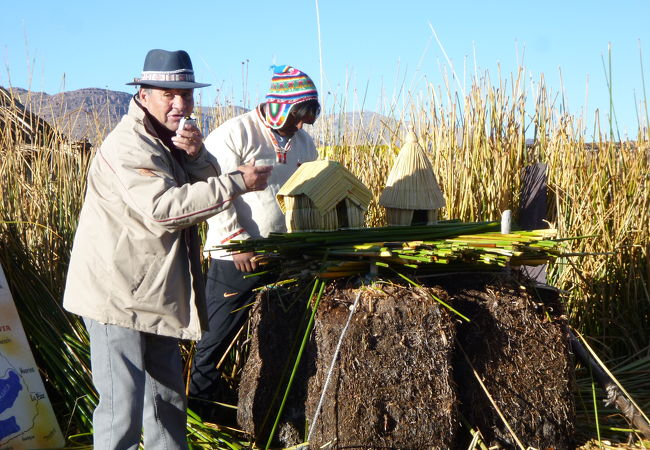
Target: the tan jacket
(129, 264)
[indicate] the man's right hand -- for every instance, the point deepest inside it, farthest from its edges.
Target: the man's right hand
(256, 178)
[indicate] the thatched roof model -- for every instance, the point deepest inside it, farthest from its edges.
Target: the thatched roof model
(411, 183)
(325, 183)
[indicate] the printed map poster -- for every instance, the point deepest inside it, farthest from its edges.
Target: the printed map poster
(27, 420)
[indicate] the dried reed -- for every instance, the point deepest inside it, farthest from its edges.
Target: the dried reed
(479, 145)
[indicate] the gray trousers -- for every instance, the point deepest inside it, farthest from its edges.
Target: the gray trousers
(139, 380)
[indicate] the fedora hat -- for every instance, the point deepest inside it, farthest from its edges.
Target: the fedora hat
(170, 70)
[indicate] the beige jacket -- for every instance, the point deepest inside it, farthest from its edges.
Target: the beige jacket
(129, 264)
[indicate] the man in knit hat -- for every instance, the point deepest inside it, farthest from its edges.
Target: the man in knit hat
(272, 134)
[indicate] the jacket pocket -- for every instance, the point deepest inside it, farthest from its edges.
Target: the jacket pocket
(142, 287)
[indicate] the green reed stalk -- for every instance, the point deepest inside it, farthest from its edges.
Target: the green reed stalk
(595, 403)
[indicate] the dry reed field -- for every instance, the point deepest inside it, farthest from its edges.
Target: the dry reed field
(479, 146)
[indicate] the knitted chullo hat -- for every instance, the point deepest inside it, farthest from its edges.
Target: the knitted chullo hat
(289, 86)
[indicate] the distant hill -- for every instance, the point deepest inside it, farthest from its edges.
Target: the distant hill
(82, 114)
(92, 113)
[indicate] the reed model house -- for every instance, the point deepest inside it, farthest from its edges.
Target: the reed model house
(412, 195)
(323, 196)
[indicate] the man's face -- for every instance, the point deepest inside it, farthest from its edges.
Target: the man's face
(292, 124)
(168, 105)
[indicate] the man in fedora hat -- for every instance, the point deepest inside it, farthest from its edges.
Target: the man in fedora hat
(134, 272)
(271, 133)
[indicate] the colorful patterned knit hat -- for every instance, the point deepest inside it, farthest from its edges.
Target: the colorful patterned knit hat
(289, 86)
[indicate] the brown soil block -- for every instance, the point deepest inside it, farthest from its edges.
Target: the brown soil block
(391, 386)
(401, 379)
(517, 345)
(277, 321)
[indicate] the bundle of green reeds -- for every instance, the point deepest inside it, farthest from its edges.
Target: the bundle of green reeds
(459, 246)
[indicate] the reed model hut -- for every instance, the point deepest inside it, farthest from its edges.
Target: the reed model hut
(412, 195)
(323, 195)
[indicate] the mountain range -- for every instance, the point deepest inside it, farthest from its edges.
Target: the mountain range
(91, 113)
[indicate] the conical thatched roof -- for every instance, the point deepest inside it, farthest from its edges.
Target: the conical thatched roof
(326, 183)
(411, 183)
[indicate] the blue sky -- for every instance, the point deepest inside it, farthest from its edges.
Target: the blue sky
(376, 50)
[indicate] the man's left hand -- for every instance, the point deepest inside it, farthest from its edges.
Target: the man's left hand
(189, 140)
(244, 262)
